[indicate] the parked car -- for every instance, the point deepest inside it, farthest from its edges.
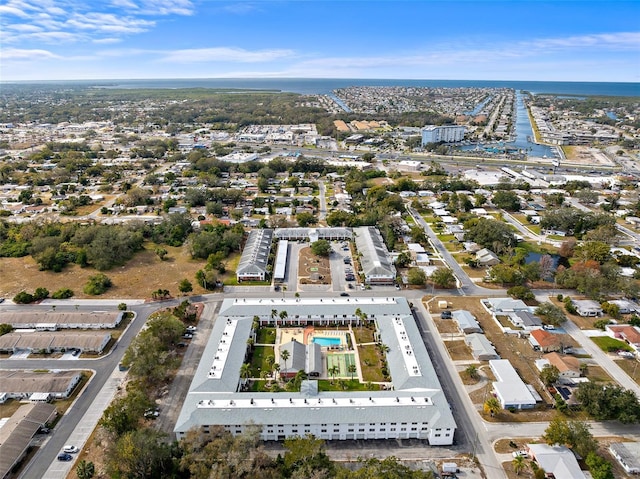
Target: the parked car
(187, 336)
(44, 430)
(344, 294)
(191, 329)
(446, 315)
(151, 413)
(69, 449)
(524, 454)
(75, 352)
(63, 456)
(548, 326)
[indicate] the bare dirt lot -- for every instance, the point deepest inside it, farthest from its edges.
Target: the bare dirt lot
(313, 269)
(138, 278)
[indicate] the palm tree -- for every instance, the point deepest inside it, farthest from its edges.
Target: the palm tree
(518, 464)
(275, 368)
(352, 369)
(283, 315)
(285, 355)
(85, 470)
(245, 371)
(270, 360)
(492, 406)
(472, 371)
(274, 314)
(333, 371)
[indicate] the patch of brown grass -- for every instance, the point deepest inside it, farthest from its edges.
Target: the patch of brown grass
(136, 279)
(459, 350)
(308, 260)
(631, 367)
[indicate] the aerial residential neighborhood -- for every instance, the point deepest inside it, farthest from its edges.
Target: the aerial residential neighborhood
(377, 274)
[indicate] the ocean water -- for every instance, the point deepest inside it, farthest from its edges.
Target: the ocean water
(327, 85)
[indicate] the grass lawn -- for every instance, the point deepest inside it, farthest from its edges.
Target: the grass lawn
(258, 360)
(345, 385)
(608, 344)
(631, 367)
(266, 336)
(370, 363)
(363, 334)
(597, 374)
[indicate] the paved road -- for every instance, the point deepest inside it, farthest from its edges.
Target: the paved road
(471, 433)
(527, 233)
(322, 210)
(84, 407)
(465, 284)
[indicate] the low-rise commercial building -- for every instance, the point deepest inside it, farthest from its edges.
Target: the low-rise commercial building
(53, 321)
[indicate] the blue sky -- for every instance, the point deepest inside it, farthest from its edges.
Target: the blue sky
(419, 39)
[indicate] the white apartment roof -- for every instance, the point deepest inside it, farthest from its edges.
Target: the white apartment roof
(375, 259)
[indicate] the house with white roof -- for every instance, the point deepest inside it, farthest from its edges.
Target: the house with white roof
(559, 461)
(509, 388)
(467, 322)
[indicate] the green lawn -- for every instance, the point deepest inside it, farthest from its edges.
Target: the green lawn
(345, 385)
(258, 360)
(266, 336)
(608, 344)
(370, 363)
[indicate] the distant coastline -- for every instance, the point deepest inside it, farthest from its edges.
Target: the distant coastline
(323, 86)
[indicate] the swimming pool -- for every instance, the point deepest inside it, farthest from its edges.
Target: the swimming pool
(322, 341)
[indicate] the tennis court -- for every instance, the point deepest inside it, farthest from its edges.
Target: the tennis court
(343, 361)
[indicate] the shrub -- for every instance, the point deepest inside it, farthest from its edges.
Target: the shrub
(40, 293)
(23, 298)
(97, 284)
(62, 293)
(122, 307)
(559, 297)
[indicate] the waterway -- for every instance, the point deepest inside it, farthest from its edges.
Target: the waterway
(523, 134)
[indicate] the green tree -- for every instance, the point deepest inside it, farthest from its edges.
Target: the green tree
(599, 467)
(185, 286)
(352, 368)
(443, 278)
(97, 284)
(387, 468)
(23, 298)
(333, 371)
(285, 355)
(521, 292)
(551, 314)
(5, 329)
(161, 253)
(519, 464)
(472, 371)
(506, 200)
(417, 277)
(489, 233)
(321, 248)
(573, 434)
(492, 406)
(305, 219)
(141, 454)
(549, 375)
(85, 470)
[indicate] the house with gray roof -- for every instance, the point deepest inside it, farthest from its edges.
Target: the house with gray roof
(481, 347)
(375, 260)
(467, 322)
(413, 406)
(628, 455)
(255, 256)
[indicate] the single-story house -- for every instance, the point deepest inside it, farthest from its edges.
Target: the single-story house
(481, 347)
(587, 307)
(504, 305)
(542, 340)
(568, 366)
(486, 257)
(466, 322)
(509, 388)
(525, 320)
(627, 333)
(628, 455)
(625, 306)
(556, 460)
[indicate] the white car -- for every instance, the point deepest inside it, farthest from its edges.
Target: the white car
(191, 329)
(70, 449)
(524, 454)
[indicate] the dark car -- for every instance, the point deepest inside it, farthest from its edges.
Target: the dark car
(344, 294)
(446, 315)
(63, 456)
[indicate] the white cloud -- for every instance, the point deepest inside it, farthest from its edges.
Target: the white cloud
(107, 22)
(24, 54)
(226, 54)
(108, 40)
(10, 10)
(616, 41)
(156, 7)
(52, 37)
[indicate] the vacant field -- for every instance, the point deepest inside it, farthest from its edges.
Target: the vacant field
(630, 366)
(446, 326)
(137, 279)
